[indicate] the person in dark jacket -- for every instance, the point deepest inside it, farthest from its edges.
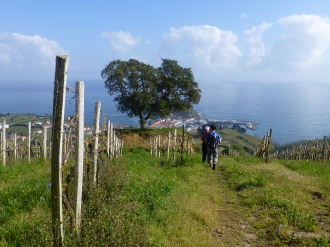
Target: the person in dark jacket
(212, 146)
(204, 145)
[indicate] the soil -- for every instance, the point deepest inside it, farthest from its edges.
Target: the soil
(135, 140)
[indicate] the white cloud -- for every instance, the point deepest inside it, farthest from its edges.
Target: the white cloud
(253, 36)
(23, 53)
(244, 16)
(121, 42)
(304, 44)
(204, 45)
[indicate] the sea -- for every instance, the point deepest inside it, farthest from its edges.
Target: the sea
(294, 112)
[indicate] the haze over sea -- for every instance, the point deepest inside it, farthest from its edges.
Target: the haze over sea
(293, 111)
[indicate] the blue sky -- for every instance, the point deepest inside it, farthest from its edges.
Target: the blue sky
(221, 41)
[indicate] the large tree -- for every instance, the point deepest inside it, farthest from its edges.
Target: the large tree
(144, 91)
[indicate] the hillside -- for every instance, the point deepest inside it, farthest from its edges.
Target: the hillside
(137, 137)
(18, 123)
(149, 201)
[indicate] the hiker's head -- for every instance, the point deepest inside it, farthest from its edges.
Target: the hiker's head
(207, 128)
(213, 127)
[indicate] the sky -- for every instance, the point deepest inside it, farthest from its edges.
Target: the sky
(255, 41)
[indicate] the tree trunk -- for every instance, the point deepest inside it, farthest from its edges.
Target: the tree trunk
(142, 122)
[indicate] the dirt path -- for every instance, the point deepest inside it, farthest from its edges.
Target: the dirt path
(234, 228)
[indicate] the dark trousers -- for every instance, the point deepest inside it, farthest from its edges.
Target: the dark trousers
(204, 150)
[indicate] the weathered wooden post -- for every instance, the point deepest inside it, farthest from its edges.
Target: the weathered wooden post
(324, 148)
(50, 149)
(163, 145)
(121, 147)
(182, 144)
(64, 145)
(57, 137)
(187, 146)
(15, 147)
(45, 141)
(168, 145)
(111, 141)
(1, 141)
(79, 161)
(114, 143)
(96, 139)
(150, 142)
(104, 119)
(36, 147)
(159, 145)
(268, 143)
(108, 138)
(174, 144)
(29, 142)
(4, 142)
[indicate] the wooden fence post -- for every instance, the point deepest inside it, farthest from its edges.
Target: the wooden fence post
(323, 148)
(64, 145)
(108, 138)
(268, 143)
(4, 142)
(1, 141)
(57, 137)
(29, 142)
(150, 142)
(96, 134)
(114, 144)
(168, 145)
(164, 145)
(182, 144)
(45, 141)
(79, 161)
(174, 144)
(104, 119)
(110, 141)
(15, 147)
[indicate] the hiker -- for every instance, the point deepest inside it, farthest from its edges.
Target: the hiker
(204, 145)
(212, 139)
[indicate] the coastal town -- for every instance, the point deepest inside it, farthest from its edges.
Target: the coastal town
(194, 124)
(191, 124)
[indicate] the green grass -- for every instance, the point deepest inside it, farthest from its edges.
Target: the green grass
(148, 201)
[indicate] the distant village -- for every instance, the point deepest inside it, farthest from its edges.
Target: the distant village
(191, 124)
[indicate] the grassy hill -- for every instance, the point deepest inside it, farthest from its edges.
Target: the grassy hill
(229, 137)
(151, 201)
(18, 123)
(148, 201)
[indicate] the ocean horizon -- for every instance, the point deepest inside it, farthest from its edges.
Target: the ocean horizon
(294, 112)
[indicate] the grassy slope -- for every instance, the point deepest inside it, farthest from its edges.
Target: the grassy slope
(148, 201)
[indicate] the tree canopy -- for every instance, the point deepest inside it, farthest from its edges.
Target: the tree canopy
(144, 91)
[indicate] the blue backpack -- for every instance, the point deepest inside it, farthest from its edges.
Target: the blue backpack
(213, 140)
